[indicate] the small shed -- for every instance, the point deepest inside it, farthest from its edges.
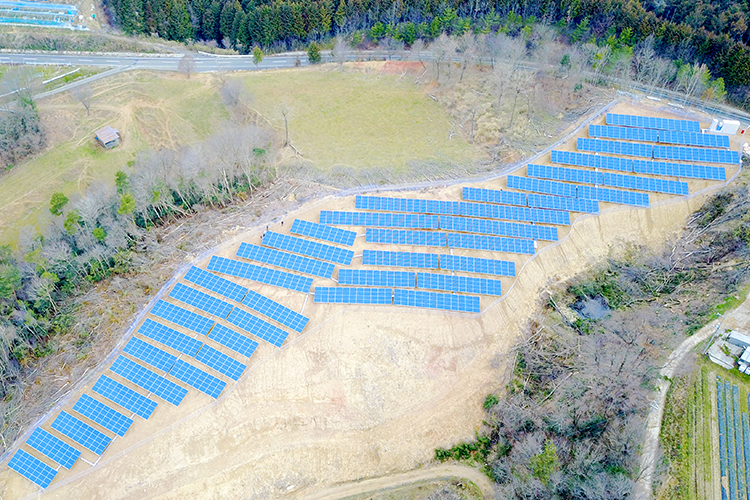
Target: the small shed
(108, 137)
(739, 339)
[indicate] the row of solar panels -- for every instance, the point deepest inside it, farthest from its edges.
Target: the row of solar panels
(574, 191)
(438, 261)
(398, 297)
(639, 166)
(657, 152)
(607, 179)
(450, 240)
(734, 442)
(431, 281)
(663, 136)
(653, 122)
(449, 222)
(531, 199)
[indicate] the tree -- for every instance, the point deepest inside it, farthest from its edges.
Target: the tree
(442, 49)
(257, 56)
(71, 222)
(57, 202)
(100, 234)
(417, 50)
(187, 65)
(313, 53)
(127, 204)
(341, 51)
(83, 94)
(121, 182)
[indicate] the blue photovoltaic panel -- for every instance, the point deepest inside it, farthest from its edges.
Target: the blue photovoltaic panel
(563, 203)
(336, 295)
(260, 274)
(323, 232)
(376, 278)
(103, 415)
(53, 447)
(399, 259)
(645, 184)
(541, 186)
(220, 362)
(197, 378)
(275, 311)
(32, 468)
(594, 161)
(405, 237)
(484, 226)
(492, 243)
(216, 284)
(200, 300)
(124, 396)
(432, 300)
(233, 340)
(494, 196)
(525, 214)
(261, 329)
(477, 265)
(613, 196)
(465, 284)
(406, 205)
(564, 174)
(161, 360)
(286, 260)
(628, 133)
(309, 248)
(679, 170)
(615, 147)
(696, 154)
(143, 377)
(183, 317)
(380, 219)
(81, 432)
(693, 139)
(169, 337)
(653, 122)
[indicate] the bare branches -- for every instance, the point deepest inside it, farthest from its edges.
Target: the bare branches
(83, 94)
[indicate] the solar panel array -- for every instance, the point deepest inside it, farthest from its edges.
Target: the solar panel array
(631, 134)
(663, 136)
(145, 378)
(607, 179)
(477, 265)
(492, 243)
(347, 295)
(465, 284)
(32, 468)
(183, 317)
(400, 259)
(376, 278)
(500, 228)
(563, 203)
(275, 311)
(658, 152)
(197, 378)
(309, 248)
(494, 196)
(613, 196)
(233, 340)
(169, 337)
(407, 205)
(594, 161)
(524, 214)
(103, 415)
(260, 274)
(615, 147)
(216, 284)
(81, 432)
(143, 351)
(434, 300)
(286, 260)
(573, 191)
(380, 219)
(124, 396)
(541, 186)
(322, 232)
(653, 122)
(261, 329)
(405, 237)
(200, 300)
(564, 174)
(53, 447)
(220, 362)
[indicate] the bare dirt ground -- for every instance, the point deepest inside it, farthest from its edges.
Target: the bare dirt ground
(364, 392)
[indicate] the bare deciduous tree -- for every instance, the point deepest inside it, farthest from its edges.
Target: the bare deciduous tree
(417, 51)
(187, 65)
(341, 51)
(83, 94)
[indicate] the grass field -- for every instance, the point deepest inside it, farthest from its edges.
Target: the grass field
(356, 119)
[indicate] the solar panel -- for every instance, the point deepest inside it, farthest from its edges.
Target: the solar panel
(696, 154)
(309, 248)
(233, 340)
(693, 139)
(183, 317)
(406, 205)
(220, 362)
(124, 396)
(594, 161)
(679, 170)
(273, 277)
(336, 295)
(323, 232)
(494, 196)
(405, 237)
(286, 260)
(200, 300)
(452, 283)
(261, 329)
(32, 468)
(103, 415)
(169, 337)
(613, 196)
(143, 377)
(81, 432)
(399, 259)
(380, 219)
(376, 278)
(161, 360)
(484, 226)
(563, 203)
(433, 300)
(645, 184)
(564, 174)
(197, 378)
(631, 134)
(216, 284)
(275, 311)
(492, 243)
(653, 122)
(541, 186)
(477, 265)
(526, 214)
(53, 447)
(616, 147)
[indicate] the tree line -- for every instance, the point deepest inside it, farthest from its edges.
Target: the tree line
(21, 133)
